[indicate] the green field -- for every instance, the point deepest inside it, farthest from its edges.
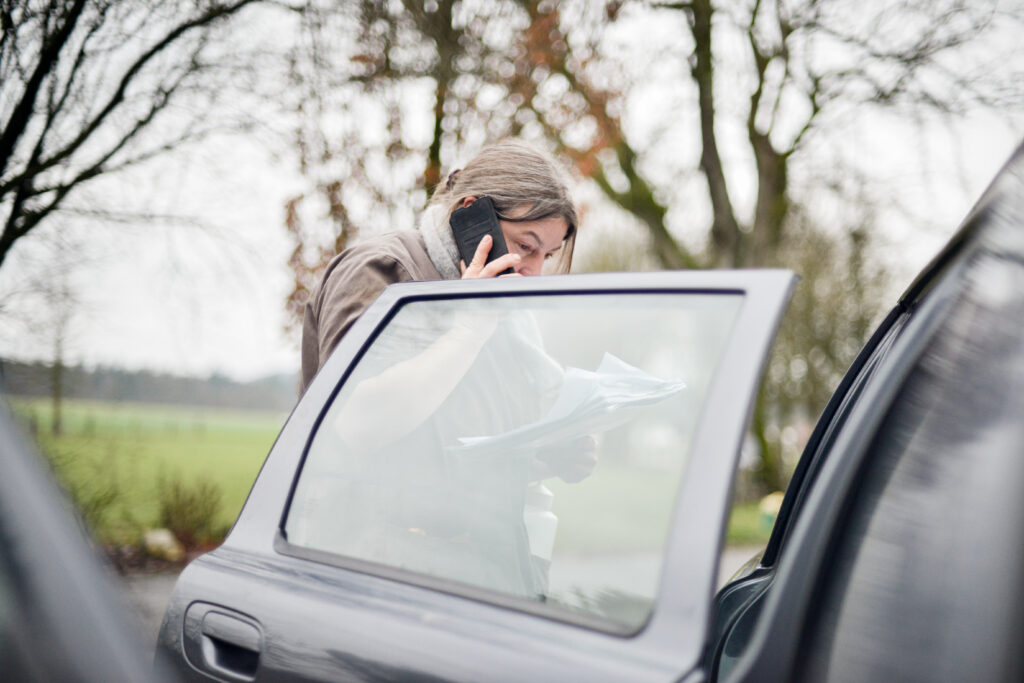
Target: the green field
(627, 508)
(134, 447)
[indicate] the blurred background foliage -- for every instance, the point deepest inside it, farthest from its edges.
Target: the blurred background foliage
(701, 134)
(736, 163)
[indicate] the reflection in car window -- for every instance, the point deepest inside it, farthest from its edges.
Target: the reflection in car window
(531, 446)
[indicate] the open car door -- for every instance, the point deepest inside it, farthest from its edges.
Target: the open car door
(510, 479)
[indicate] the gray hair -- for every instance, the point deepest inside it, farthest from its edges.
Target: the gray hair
(514, 175)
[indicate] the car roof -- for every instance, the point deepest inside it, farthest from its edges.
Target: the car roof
(996, 197)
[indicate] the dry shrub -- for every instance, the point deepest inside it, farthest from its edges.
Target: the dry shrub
(190, 511)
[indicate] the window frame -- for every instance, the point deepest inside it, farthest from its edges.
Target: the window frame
(686, 587)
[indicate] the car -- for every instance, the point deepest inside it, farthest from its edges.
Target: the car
(428, 512)
(61, 617)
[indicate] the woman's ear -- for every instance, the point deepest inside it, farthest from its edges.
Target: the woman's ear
(468, 200)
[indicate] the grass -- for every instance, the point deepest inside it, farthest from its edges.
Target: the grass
(133, 446)
(616, 508)
(627, 508)
(748, 526)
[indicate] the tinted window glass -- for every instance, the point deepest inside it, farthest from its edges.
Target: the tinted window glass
(463, 445)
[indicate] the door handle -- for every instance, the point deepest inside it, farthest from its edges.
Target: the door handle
(230, 646)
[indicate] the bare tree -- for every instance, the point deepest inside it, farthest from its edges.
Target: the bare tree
(94, 87)
(771, 80)
(45, 311)
(791, 74)
(61, 304)
(369, 161)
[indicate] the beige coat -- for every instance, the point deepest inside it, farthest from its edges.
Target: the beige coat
(353, 279)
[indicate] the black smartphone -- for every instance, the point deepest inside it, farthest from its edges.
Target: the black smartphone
(471, 223)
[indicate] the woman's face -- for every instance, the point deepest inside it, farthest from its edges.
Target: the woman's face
(534, 241)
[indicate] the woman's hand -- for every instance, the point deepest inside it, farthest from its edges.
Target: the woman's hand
(479, 268)
(572, 462)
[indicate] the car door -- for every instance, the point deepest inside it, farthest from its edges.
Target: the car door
(432, 509)
(897, 554)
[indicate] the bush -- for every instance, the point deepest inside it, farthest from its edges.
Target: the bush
(190, 511)
(94, 488)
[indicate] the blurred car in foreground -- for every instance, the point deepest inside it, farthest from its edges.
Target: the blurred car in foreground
(415, 520)
(60, 617)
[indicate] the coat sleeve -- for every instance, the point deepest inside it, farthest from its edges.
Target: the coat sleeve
(352, 282)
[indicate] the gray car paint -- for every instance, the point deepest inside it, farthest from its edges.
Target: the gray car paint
(330, 621)
(808, 564)
(60, 614)
(960, 593)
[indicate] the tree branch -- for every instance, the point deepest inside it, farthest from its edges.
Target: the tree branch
(53, 109)
(639, 200)
(48, 56)
(725, 231)
(117, 98)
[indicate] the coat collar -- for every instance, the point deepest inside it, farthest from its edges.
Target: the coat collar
(440, 243)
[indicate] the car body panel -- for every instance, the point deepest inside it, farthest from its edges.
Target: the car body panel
(61, 618)
(332, 618)
(978, 273)
(896, 554)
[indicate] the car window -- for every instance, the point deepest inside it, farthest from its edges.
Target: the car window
(530, 446)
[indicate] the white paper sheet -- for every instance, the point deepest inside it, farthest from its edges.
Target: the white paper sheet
(590, 402)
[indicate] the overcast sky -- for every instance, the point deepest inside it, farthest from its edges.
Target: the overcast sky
(208, 297)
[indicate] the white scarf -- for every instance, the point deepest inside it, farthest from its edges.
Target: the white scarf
(441, 247)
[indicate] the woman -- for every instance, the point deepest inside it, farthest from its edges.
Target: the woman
(537, 217)
(387, 462)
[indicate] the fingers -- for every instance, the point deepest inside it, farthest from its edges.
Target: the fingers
(539, 470)
(499, 264)
(480, 256)
(581, 467)
(572, 462)
(478, 266)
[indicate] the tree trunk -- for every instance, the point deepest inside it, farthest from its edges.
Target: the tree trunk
(725, 231)
(772, 201)
(57, 391)
(770, 475)
(432, 174)
(639, 200)
(438, 25)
